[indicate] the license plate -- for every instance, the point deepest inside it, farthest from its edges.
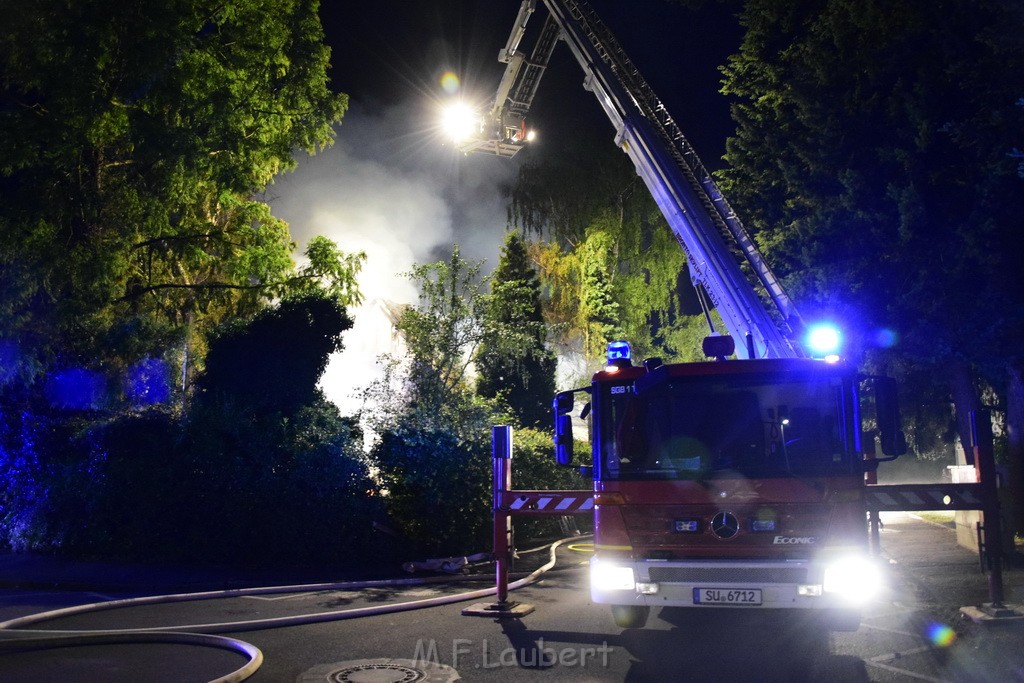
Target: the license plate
(727, 596)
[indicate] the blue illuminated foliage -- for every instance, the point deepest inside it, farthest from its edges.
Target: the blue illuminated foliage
(21, 494)
(9, 361)
(146, 383)
(75, 389)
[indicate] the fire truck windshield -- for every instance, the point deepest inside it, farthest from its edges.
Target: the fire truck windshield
(700, 427)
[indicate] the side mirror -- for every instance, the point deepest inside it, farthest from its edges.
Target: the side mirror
(887, 407)
(564, 402)
(563, 439)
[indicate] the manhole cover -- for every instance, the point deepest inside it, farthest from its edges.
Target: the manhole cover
(377, 673)
(380, 671)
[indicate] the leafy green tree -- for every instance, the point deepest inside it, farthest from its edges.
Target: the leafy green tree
(436, 479)
(880, 174)
(442, 335)
(132, 141)
(609, 265)
(563, 189)
(431, 448)
(622, 282)
(851, 157)
(275, 489)
(432, 434)
(513, 361)
(273, 362)
(598, 309)
(269, 458)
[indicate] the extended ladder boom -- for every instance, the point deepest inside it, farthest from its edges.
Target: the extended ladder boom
(691, 202)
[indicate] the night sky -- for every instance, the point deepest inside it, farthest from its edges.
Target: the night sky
(392, 187)
(394, 51)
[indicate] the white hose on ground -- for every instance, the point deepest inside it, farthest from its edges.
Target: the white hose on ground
(24, 643)
(13, 632)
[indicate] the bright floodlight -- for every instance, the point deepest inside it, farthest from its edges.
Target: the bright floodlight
(823, 340)
(459, 122)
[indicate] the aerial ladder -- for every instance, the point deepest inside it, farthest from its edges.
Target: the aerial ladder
(694, 207)
(755, 309)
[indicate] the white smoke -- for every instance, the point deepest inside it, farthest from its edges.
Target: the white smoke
(391, 188)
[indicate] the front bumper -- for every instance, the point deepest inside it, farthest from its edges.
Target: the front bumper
(840, 582)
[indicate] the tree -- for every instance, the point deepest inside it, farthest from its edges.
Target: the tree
(275, 489)
(431, 449)
(610, 266)
(598, 309)
(880, 175)
(271, 463)
(273, 362)
(513, 361)
(132, 140)
(442, 335)
(436, 479)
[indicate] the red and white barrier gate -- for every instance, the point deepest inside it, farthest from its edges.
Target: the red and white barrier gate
(508, 503)
(982, 496)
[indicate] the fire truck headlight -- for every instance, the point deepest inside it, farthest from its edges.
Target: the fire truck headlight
(608, 576)
(856, 579)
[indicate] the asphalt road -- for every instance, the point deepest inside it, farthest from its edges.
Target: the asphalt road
(915, 632)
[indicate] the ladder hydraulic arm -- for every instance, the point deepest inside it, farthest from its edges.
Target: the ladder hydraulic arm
(693, 206)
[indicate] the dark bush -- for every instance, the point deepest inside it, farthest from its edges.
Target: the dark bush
(277, 491)
(261, 469)
(437, 488)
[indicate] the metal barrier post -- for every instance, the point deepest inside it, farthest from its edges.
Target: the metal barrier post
(508, 502)
(501, 462)
(501, 454)
(871, 479)
(984, 460)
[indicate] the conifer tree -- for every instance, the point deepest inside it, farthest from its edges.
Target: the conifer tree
(513, 362)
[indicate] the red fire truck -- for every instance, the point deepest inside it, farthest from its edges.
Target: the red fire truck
(723, 484)
(734, 483)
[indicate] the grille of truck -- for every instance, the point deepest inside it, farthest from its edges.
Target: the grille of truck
(729, 574)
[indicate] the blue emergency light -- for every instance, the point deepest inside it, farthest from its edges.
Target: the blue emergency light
(824, 340)
(619, 350)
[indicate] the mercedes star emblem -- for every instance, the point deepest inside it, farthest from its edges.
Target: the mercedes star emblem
(724, 525)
